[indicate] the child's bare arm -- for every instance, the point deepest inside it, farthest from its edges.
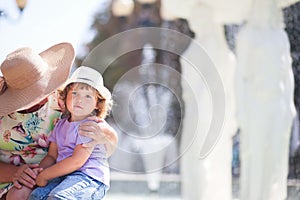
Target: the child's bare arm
(66, 166)
(50, 158)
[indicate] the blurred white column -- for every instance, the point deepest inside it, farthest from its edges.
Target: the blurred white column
(208, 178)
(265, 88)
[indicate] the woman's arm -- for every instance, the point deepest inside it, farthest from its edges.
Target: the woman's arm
(101, 133)
(7, 172)
(66, 166)
(110, 136)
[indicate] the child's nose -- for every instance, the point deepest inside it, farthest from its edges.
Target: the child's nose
(78, 99)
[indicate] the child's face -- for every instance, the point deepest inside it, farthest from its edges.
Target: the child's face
(81, 102)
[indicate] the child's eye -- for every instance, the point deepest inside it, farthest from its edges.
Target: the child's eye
(88, 96)
(74, 93)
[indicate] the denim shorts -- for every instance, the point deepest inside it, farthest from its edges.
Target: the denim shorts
(76, 185)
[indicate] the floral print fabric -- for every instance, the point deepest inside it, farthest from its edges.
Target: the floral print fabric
(24, 137)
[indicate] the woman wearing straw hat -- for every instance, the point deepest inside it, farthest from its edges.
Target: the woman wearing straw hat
(28, 116)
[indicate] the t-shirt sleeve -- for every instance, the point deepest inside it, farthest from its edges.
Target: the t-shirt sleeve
(82, 139)
(52, 137)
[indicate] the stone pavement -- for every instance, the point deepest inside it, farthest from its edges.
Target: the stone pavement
(134, 187)
(139, 197)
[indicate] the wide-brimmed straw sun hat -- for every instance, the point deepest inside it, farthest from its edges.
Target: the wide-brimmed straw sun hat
(90, 77)
(29, 77)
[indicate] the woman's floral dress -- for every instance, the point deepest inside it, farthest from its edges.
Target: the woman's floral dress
(24, 137)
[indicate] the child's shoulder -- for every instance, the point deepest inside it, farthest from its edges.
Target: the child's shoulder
(60, 122)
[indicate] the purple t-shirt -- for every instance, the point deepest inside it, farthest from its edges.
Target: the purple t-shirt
(65, 135)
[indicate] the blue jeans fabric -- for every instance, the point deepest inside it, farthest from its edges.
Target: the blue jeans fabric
(76, 185)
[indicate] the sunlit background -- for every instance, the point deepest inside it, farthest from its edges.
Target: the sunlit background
(42, 23)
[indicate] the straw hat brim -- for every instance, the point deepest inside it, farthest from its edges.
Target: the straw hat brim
(59, 58)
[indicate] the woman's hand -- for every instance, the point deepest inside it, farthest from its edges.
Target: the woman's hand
(101, 133)
(26, 175)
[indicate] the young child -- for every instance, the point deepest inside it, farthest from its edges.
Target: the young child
(71, 171)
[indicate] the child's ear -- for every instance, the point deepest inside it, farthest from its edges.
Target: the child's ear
(98, 105)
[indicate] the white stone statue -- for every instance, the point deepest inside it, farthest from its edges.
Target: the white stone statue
(208, 178)
(265, 89)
